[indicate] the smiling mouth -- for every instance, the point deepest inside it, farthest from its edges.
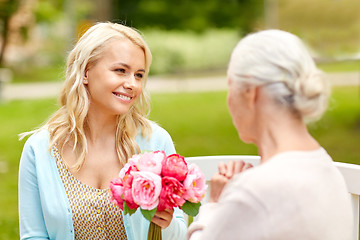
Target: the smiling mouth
(123, 97)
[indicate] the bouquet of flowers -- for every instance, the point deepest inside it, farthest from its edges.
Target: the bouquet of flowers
(154, 181)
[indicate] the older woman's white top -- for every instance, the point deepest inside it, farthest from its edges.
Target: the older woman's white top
(294, 195)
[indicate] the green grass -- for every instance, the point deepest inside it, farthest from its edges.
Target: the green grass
(343, 66)
(339, 130)
(16, 117)
(199, 124)
(39, 74)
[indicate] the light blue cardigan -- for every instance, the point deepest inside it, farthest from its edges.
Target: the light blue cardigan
(44, 209)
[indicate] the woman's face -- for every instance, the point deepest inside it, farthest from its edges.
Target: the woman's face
(237, 104)
(115, 80)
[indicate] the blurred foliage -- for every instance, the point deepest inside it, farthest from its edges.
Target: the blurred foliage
(56, 10)
(184, 36)
(49, 10)
(185, 52)
(189, 15)
(331, 27)
(7, 9)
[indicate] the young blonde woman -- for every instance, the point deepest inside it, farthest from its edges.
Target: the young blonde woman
(296, 193)
(67, 164)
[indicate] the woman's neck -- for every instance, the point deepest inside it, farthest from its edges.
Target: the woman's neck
(100, 127)
(282, 134)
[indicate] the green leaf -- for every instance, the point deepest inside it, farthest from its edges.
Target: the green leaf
(127, 210)
(148, 214)
(191, 209)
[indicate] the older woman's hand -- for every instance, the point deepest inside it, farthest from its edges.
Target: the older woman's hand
(226, 172)
(163, 218)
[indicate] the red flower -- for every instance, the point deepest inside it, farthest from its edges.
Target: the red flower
(175, 166)
(171, 194)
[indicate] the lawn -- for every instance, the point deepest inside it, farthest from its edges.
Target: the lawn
(199, 124)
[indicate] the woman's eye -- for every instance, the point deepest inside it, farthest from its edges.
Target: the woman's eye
(139, 75)
(120, 70)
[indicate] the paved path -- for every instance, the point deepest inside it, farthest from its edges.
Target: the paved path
(156, 85)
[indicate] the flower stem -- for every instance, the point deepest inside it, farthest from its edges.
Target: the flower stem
(154, 232)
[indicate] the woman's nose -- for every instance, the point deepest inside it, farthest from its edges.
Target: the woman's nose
(130, 81)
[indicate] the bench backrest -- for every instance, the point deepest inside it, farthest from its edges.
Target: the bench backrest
(351, 173)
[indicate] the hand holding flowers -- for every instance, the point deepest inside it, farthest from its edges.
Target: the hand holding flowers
(157, 183)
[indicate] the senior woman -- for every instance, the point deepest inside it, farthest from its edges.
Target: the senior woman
(296, 192)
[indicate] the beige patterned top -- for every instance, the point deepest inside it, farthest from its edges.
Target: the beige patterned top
(94, 216)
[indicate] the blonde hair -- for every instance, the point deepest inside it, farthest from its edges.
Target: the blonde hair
(280, 61)
(68, 124)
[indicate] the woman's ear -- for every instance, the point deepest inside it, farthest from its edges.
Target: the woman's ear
(251, 95)
(85, 79)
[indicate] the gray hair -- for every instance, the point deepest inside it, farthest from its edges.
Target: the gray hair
(280, 61)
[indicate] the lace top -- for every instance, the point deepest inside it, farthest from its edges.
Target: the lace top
(94, 216)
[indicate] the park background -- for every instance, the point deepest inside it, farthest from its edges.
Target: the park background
(191, 42)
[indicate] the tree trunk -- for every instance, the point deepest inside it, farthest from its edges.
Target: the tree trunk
(4, 40)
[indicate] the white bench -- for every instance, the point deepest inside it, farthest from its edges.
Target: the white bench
(351, 173)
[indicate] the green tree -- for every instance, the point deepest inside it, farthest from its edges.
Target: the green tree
(189, 15)
(7, 9)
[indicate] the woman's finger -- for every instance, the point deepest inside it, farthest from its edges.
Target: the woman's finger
(222, 168)
(247, 166)
(158, 221)
(230, 169)
(163, 218)
(217, 184)
(239, 166)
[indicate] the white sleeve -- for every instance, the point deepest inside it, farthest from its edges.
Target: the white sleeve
(238, 215)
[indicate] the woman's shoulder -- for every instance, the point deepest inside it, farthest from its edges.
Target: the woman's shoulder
(160, 139)
(157, 130)
(297, 172)
(38, 138)
(154, 132)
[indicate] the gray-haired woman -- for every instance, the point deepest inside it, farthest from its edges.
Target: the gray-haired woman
(296, 193)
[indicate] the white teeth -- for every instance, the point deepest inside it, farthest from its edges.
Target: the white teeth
(122, 96)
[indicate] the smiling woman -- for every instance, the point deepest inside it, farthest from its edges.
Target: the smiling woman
(115, 81)
(67, 165)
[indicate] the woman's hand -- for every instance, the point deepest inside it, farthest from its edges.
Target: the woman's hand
(226, 172)
(163, 218)
(231, 168)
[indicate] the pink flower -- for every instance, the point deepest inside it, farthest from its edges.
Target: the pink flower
(117, 190)
(194, 184)
(171, 194)
(151, 161)
(121, 191)
(126, 173)
(121, 187)
(129, 166)
(129, 198)
(175, 166)
(146, 189)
